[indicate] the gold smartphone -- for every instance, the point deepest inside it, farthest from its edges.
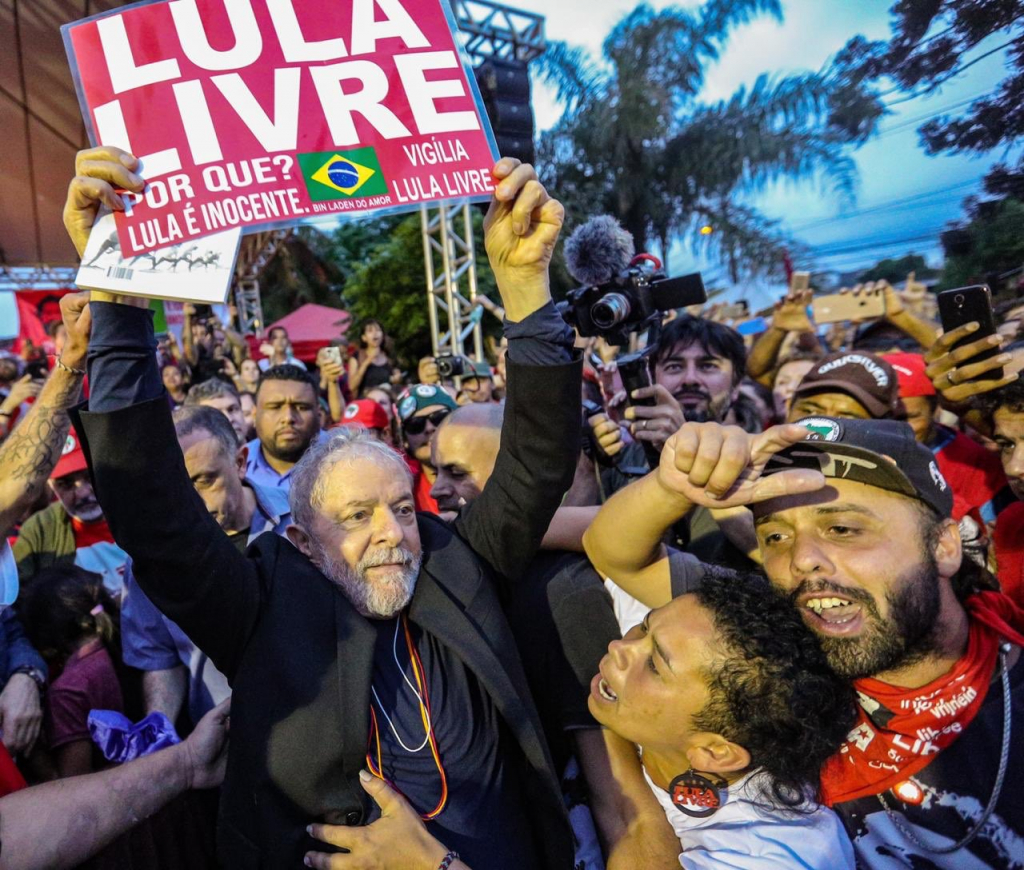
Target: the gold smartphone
(841, 307)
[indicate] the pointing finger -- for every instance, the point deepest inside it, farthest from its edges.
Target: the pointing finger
(782, 483)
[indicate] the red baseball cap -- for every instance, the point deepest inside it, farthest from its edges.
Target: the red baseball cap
(365, 414)
(72, 458)
(910, 372)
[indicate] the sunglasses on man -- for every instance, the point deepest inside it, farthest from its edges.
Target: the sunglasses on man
(417, 425)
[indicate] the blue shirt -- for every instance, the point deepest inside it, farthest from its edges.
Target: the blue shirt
(152, 642)
(260, 472)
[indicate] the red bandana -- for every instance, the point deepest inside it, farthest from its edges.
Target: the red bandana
(899, 731)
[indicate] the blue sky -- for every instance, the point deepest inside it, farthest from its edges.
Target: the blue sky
(893, 168)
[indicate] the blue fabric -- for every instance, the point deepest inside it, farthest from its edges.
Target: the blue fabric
(122, 357)
(260, 472)
(541, 339)
(9, 585)
(15, 649)
(120, 740)
(485, 811)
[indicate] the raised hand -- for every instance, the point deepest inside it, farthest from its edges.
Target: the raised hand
(98, 171)
(607, 434)
(951, 371)
(655, 423)
(721, 466)
(23, 388)
(790, 313)
(520, 232)
(74, 311)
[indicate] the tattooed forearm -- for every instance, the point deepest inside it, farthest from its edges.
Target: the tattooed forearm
(31, 451)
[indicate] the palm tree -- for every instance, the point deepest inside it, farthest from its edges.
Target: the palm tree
(636, 142)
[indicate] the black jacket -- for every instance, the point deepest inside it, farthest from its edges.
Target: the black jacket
(298, 655)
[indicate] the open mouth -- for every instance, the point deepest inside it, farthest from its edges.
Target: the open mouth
(833, 614)
(599, 688)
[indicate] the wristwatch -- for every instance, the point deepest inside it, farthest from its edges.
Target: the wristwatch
(36, 675)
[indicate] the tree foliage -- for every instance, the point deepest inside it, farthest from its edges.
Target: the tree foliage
(990, 244)
(385, 278)
(895, 269)
(635, 140)
(299, 273)
(934, 41)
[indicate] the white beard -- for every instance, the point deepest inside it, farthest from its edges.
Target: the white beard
(375, 598)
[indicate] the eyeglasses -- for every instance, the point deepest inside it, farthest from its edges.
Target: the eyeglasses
(417, 425)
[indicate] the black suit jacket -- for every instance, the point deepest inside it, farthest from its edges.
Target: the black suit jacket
(299, 656)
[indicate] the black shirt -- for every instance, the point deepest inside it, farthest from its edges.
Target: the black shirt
(483, 819)
(958, 785)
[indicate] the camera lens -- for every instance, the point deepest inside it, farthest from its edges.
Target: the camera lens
(959, 299)
(445, 368)
(610, 310)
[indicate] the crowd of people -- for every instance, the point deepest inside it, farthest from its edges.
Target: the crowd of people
(269, 612)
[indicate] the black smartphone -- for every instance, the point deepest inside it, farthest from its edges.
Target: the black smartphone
(966, 305)
(635, 371)
(38, 370)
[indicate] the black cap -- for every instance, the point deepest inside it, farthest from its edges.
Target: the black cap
(882, 453)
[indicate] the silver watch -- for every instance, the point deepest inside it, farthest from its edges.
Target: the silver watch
(36, 675)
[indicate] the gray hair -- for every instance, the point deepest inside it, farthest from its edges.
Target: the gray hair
(309, 485)
(211, 388)
(202, 418)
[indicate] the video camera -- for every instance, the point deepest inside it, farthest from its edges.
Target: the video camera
(630, 302)
(619, 295)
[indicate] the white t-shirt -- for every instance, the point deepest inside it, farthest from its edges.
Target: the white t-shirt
(744, 835)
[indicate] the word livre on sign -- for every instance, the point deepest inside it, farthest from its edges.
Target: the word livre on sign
(261, 113)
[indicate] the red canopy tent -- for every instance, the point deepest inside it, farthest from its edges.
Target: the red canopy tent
(312, 327)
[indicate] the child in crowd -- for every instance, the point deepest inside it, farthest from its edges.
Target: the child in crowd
(72, 620)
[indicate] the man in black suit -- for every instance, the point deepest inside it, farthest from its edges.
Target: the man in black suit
(372, 637)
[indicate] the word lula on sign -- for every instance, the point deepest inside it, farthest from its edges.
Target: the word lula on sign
(364, 93)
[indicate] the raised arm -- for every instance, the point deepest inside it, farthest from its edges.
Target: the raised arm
(706, 464)
(923, 332)
(788, 315)
(541, 432)
(181, 558)
(30, 452)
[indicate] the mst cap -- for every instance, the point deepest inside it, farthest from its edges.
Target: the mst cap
(72, 458)
(365, 414)
(866, 377)
(419, 396)
(882, 453)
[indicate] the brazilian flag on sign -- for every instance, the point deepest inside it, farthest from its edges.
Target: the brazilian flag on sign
(333, 175)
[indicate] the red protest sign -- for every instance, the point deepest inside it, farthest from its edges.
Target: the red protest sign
(259, 113)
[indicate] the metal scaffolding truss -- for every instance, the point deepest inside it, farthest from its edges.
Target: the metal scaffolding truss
(488, 30)
(37, 277)
(255, 252)
(496, 30)
(450, 262)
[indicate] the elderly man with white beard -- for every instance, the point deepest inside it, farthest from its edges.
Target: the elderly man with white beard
(373, 638)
